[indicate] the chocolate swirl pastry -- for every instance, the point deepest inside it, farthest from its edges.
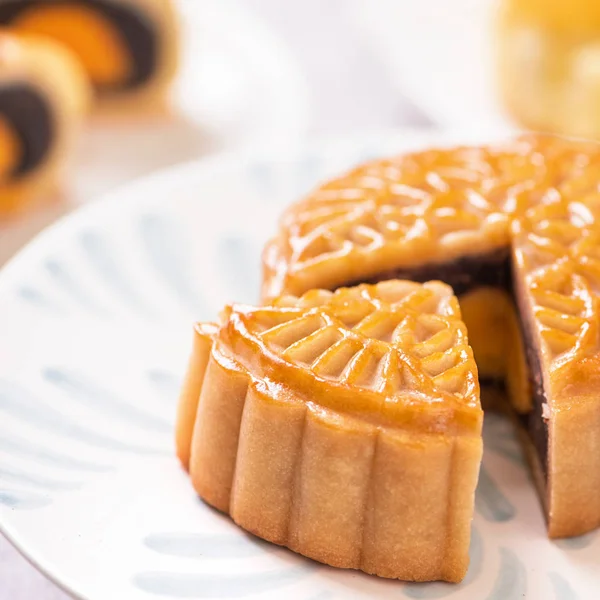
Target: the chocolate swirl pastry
(345, 426)
(128, 48)
(43, 97)
(515, 230)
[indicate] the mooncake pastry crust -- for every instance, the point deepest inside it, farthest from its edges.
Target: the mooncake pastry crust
(535, 201)
(345, 426)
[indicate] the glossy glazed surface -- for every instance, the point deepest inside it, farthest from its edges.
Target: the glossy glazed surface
(345, 426)
(537, 195)
(395, 353)
(537, 198)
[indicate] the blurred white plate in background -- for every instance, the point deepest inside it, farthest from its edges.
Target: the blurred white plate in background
(439, 54)
(237, 86)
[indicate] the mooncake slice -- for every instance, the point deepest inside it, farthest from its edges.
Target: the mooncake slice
(512, 229)
(345, 426)
(129, 48)
(44, 95)
(557, 281)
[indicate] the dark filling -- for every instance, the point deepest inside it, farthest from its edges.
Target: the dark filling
(536, 426)
(463, 274)
(30, 117)
(136, 32)
(489, 270)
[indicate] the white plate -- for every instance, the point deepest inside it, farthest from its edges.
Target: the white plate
(95, 322)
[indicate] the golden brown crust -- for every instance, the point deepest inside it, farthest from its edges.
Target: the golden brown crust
(190, 392)
(321, 447)
(385, 350)
(420, 208)
(557, 268)
(538, 196)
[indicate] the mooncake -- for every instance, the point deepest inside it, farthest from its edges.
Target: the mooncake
(344, 425)
(513, 228)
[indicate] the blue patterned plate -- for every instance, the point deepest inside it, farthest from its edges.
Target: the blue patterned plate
(95, 322)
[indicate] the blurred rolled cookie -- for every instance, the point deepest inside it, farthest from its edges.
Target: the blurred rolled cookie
(129, 48)
(44, 94)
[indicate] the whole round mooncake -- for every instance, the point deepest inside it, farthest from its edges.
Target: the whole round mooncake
(514, 229)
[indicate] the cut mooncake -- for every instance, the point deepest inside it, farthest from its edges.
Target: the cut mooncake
(345, 426)
(128, 48)
(44, 95)
(514, 230)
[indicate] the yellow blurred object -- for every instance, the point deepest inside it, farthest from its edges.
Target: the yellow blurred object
(575, 16)
(549, 64)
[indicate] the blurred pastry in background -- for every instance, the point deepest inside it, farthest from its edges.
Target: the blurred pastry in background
(549, 64)
(44, 94)
(129, 48)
